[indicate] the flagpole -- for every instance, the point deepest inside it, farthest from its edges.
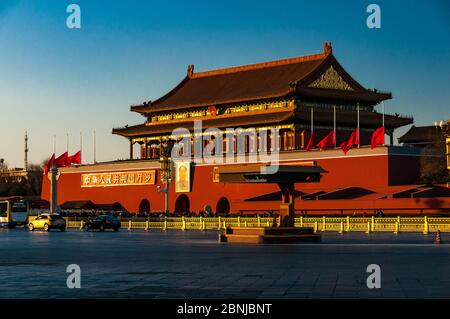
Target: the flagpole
(382, 113)
(334, 125)
(312, 126)
(67, 137)
(95, 160)
(54, 144)
(81, 146)
(357, 111)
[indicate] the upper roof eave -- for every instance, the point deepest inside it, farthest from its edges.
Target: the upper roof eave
(366, 96)
(249, 83)
(158, 104)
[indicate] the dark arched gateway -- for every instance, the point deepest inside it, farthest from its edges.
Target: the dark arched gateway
(144, 206)
(223, 206)
(182, 204)
(117, 207)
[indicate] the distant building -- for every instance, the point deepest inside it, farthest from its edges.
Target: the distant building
(421, 136)
(13, 175)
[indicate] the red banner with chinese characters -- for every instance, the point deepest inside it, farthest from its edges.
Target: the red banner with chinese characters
(128, 178)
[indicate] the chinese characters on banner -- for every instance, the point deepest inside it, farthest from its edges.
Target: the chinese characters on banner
(130, 178)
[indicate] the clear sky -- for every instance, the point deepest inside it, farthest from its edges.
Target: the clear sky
(55, 80)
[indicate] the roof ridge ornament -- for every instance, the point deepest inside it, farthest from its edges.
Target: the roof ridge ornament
(190, 70)
(327, 48)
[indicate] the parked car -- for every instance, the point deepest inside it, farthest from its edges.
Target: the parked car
(48, 222)
(102, 222)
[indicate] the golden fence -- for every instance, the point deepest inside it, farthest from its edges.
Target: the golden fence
(320, 224)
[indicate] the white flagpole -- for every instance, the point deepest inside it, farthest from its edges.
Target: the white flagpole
(95, 160)
(312, 127)
(334, 125)
(81, 146)
(382, 112)
(357, 111)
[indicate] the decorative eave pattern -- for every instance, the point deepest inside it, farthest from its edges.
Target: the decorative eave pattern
(330, 79)
(301, 116)
(261, 118)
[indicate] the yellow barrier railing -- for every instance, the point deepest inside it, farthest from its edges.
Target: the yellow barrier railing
(320, 224)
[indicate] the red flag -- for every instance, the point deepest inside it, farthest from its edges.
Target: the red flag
(61, 161)
(352, 140)
(49, 164)
(74, 159)
(328, 141)
(377, 137)
(310, 142)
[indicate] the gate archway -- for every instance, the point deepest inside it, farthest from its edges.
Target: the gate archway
(182, 204)
(117, 207)
(223, 206)
(144, 206)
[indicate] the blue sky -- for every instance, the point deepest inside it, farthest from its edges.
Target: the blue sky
(55, 80)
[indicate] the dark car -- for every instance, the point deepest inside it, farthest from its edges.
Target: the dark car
(102, 222)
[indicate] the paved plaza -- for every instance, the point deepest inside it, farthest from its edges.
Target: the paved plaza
(192, 264)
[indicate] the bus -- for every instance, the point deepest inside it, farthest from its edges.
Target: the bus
(13, 212)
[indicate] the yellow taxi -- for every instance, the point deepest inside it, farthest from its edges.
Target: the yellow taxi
(48, 222)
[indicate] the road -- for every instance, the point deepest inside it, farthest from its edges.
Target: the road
(192, 264)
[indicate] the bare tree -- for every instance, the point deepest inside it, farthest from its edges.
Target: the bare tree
(433, 164)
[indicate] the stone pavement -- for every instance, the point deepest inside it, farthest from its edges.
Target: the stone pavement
(192, 264)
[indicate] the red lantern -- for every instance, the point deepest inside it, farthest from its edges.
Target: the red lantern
(212, 110)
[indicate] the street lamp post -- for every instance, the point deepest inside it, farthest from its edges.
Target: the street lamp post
(54, 189)
(166, 171)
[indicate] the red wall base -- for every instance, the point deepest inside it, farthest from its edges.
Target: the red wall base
(376, 170)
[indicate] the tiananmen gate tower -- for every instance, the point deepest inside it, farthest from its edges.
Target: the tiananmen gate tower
(299, 97)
